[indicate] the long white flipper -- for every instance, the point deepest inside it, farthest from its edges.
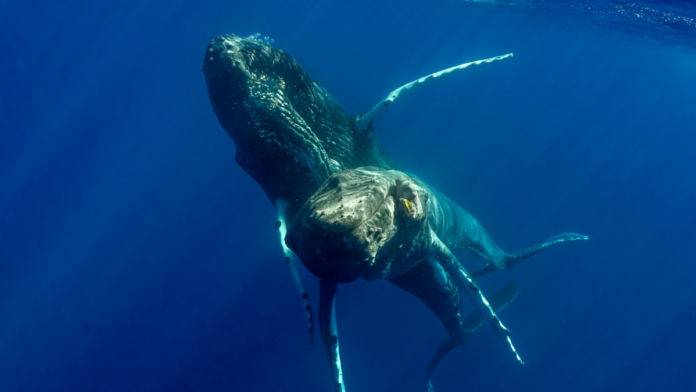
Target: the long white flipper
(362, 121)
(498, 301)
(281, 205)
(471, 290)
(329, 331)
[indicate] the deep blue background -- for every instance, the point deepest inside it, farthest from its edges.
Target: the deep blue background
(135, 255)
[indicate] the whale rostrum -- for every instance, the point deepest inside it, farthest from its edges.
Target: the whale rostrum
(347, 212)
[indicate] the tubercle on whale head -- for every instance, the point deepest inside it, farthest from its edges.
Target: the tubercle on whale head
(244, 75)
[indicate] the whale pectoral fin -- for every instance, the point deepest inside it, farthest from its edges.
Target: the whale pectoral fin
(329, 331)
(469, 287)
(498, 301)
(509, 260)
(362, 121)
(281, 225)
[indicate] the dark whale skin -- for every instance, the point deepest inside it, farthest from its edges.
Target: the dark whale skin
(290, 134)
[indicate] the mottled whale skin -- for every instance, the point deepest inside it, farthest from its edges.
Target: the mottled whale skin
(290, 134)
(291, 137)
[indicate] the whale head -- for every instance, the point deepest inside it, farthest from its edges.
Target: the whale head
(262, 98)
(362, 223)
(290, 134)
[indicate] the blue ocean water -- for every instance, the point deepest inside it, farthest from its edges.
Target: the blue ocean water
(136, 255)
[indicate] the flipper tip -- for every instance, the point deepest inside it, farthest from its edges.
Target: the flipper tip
(429, 386)
(567, 237)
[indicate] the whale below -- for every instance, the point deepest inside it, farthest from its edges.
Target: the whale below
(341, 206)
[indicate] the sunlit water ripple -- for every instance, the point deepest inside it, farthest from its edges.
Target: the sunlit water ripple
(672, 22)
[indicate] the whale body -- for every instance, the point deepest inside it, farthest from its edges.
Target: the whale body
(350, 214)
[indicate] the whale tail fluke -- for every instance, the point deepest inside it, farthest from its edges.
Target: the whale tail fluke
(442, 350)
(509, 260)
(498, 301)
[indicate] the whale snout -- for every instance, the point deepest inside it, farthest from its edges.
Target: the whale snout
(226, 52)
(356, 225)
(328, 233)
(347, 199)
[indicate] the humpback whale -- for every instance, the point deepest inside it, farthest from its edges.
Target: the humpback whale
(341, 205)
